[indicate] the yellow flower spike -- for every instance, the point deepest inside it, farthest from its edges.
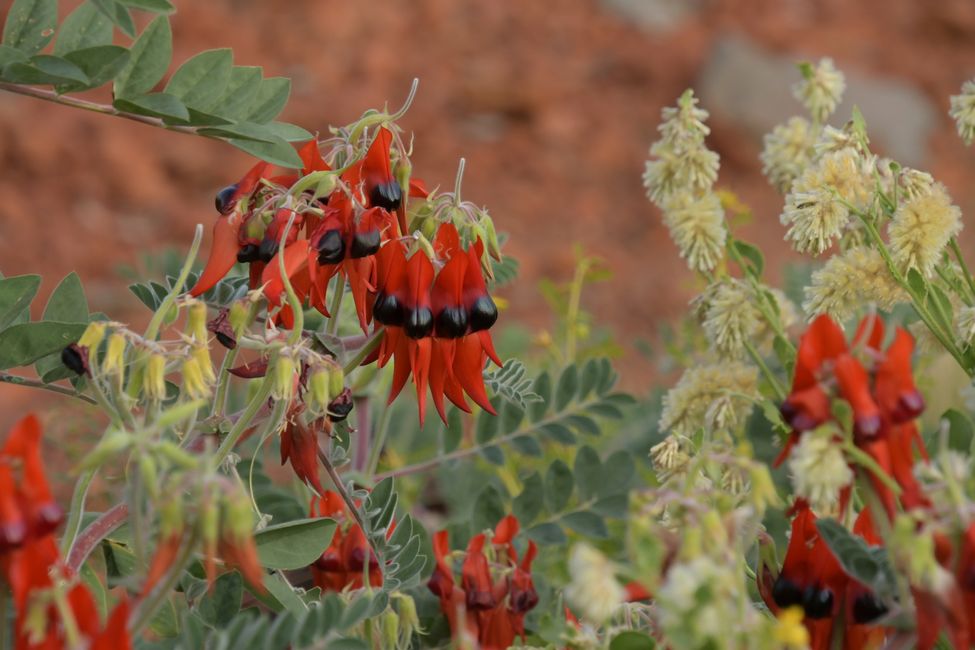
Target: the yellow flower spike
(114, 355)
(154, 382)
(789, 630)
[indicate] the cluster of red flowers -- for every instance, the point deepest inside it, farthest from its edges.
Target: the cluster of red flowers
(878, 385)
(45, 591)
(435, 322)
(342, 565)
(491, 602)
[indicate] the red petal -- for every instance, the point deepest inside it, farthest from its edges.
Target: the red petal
(823, 340)
(247, 185)
(506, 530)
(295, 260)
(420, 364)
(223, 255)
(469, 368)
(311, 158)
(855, 388)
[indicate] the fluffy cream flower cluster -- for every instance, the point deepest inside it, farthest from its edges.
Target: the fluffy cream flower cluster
(851, 280)
(594, 592)
(729, 314)
(819, 470)
(788, 150)
(821, 89)
(963, 111)
(921, 228)
(716, 396)
(679, 177)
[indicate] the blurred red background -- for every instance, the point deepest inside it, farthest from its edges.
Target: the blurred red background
(552, 103)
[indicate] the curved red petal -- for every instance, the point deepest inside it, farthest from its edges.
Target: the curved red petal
(223, 255)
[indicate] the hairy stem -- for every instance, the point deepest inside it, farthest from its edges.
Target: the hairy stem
(93, 535)
(956, 249)
(248, 415)
(77, 510)
(6, 377)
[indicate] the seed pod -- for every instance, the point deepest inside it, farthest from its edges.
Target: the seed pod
(390, 629)
(336, 380)
(209, 527)
(238, 520)
(325, 186)
(154, 382)
(317, 394)
(171, 512)
(284, 379)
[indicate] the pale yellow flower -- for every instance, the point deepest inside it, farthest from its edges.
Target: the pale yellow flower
(921, 228)
(821, 89)
(819, 469)
(668, 457)
(715, 396)
(788, 150)
(851, 281)
(593, 592)
(696, 225)
(730, 317)
(963, 111)
(789, 631)
(815, 219)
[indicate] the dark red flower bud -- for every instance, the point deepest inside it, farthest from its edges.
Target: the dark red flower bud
(249, 253)
(340, 407)
(331, 247)
(225, 199)
(221, 328)
(75, 357)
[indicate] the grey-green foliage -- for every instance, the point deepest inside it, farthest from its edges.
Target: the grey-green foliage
(206, 92)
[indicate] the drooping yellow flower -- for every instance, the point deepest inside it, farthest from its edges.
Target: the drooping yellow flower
(921, 228)
(789, 631)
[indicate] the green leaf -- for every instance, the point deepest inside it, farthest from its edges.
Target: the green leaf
(118, 14)
(155, 6)
(614, 506)
(11, 55)
(162, 105)
(631, 640)
(488, 509)
(84, 27)
(858, 560)
(543, 388)
(753, 256)
(281, 595)
(149, 59)
(243, 131)
(222, 602)
(586, 523)
(201, 81)
(961, 430)
(23, 344)
(100, 63)
(30, 24)
(530, 502)
(559, 433)
(45, 69)
(558, 486)
(295, 544)
(510, 416)
(90, 577)
(278, 152)
(271, 99)
(588, 472)
(487, 427)
(527, 445)
(16, 294)
(289, 132)
(546, 534)
(67, 304)
(454, 431)
(242, 87)
(589, 378)
(617, 472)
(917, 283)
(567, 387)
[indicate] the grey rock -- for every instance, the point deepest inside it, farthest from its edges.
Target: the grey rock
(753, 87)
(654, 15)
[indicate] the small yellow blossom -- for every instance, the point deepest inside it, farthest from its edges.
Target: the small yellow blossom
(715, 396)
(912, 183)
(821, 89)
(594, 592)
(963, 111)
(814, 219)
(849, 282)
(697, 227)
(788, 150)
(668, 458)
(921, 228)
(789, 631)
(819, 470)
(730, 318)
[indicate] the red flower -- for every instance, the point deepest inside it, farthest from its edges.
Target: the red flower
(341, 565)
(491, 600)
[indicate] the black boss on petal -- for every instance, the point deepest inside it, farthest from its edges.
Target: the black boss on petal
(867, 608)
(386, 195)
(340, 407)
(225, 199)
(786, 593)
(331, 247)
(419, 323)
(388, 310)
(451, 323)
(267, 250)
(483, 314)
(818, 603)
(248, 253)
(75, 358)
(365, 244)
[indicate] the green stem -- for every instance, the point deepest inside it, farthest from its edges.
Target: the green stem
(956, 249)
(297, 313)
(6, 377)
(572, 312)
(137, 516)
(76, 511)
(157, 319)
(333, 309)
(367, 348)
(772, 379)
(382, 430)
(864, 460)
(763, 301)
(249, 412)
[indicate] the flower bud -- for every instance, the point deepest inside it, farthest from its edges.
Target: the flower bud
(318, 395)
(177, 456)
(171, 513)
(202, 356)
(149, 473)
(491, 236)
(390, 629)
(284, 379)
(209, 528)
(406, 608)
(112, 444)
(196, 321)
(194, 385)
(238, 520)
(336, 380)
(154, 382)
(114, 361)
(326, 185)
(93, 335)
